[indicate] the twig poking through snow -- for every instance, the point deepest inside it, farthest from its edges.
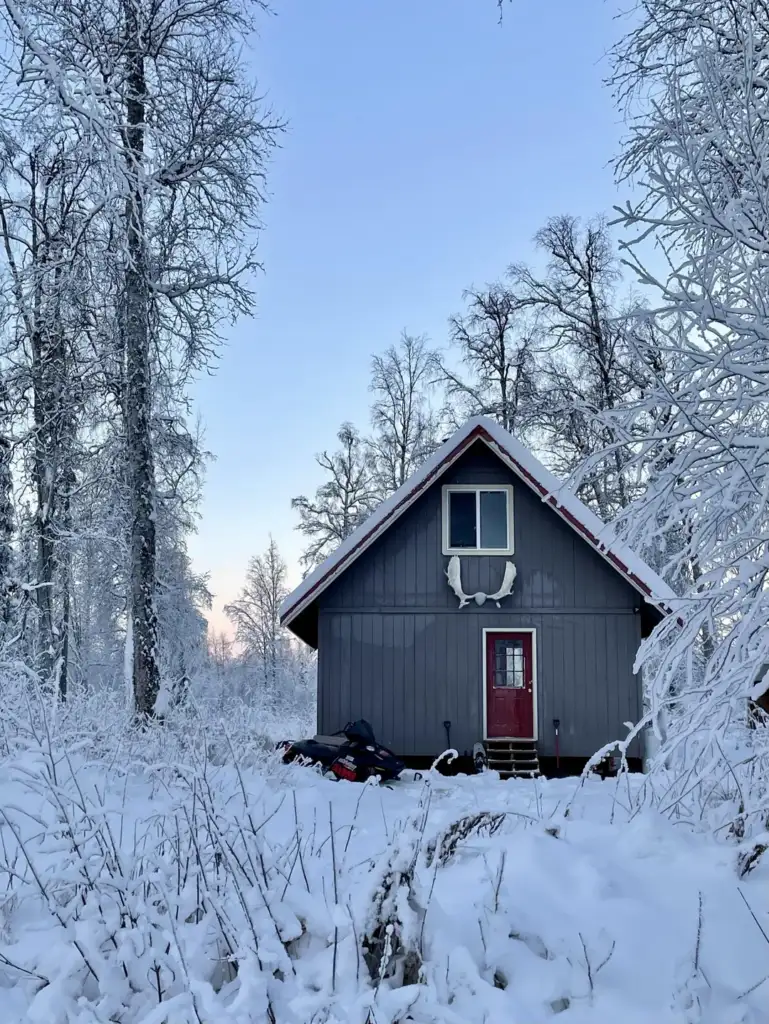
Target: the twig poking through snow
(750, 909)
(336, 894)
(449, 756)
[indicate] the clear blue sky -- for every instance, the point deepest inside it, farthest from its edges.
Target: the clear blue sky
(427, 143)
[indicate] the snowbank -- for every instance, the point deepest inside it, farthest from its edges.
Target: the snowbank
(245, 891)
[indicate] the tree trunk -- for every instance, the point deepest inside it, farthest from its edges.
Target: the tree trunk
(146, 676)
(6, 518)
(44, 470)
(65, 561)
(63, 660)
(62, 443)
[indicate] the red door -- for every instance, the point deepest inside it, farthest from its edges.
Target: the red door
(509, 685)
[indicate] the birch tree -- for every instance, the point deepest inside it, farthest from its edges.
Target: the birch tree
(495, 342)
(405, 427)
(159, 90)
(255, 613)
(43, 229)
(587, 364)
(7, 530)
(342, 502)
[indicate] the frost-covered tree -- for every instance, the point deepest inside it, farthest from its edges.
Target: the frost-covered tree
(405, 427)
(342, 502)
(182, 596)
(495, 343)
(160, 94)
(264, 664)
(587, 363)
(44, 227)
(7, 525)
(692, 74)
(255, 613)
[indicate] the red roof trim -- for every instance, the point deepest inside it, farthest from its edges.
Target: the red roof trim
(476, 433)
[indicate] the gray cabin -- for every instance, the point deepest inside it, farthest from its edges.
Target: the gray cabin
(482, 602)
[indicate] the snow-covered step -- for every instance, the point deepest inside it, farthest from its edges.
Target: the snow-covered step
(513, 758)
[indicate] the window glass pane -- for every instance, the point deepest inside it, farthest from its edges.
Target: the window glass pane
(509, 668)
(493, 519)
(518, 677)
(462, 532)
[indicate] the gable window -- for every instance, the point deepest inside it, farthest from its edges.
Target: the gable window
(477, 520)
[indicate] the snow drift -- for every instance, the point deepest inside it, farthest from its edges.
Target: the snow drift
(143, 888)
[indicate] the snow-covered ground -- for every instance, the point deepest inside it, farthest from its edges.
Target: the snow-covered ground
(139, 887)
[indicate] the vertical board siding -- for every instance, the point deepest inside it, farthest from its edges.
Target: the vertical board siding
(394, 647)
(419, 670)
(405, 567)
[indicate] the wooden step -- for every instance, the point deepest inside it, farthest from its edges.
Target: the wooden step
(495, 756)
(513, 758)
(510, 745)
(519, 749)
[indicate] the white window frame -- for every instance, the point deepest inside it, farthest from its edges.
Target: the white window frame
(451, 488)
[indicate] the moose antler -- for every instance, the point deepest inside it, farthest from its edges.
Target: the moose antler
(454, 576)
(507, 583)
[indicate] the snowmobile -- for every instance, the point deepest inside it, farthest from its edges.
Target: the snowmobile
(352, 753)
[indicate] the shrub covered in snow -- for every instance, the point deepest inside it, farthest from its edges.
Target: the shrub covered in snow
(183, 874)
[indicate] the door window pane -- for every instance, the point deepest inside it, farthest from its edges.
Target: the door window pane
(494, 519)
(509, 668)
(462, 531)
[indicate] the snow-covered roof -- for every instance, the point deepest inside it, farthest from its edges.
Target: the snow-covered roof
(530, 470)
